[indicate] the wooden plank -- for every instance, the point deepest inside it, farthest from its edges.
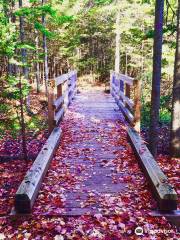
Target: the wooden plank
(72, 87)
(58, 102)
(129, 103)
(29, 188)
(127, 114)
(127, 90)
(51, 112)
(59, 115)
(124, 78)
(64, 77)
(163, 191)
(71, 96)
(137, 105)
(127, 100)
(59, 90)
(115, 89)
(172, 216)
(72, 73)
(61, 79)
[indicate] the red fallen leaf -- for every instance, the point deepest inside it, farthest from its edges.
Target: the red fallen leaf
(124, 216)
(48, 225)
(58, 229)
(127, 178)
(57, 202)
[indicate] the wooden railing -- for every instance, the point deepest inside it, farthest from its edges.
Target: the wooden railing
(129, 101)
(65, 87)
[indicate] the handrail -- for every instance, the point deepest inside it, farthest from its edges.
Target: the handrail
(120, 88)
(58, 102)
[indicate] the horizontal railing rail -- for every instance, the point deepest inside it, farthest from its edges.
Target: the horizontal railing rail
(127, 93)
(61, 93)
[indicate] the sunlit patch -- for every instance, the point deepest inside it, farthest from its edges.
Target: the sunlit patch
(95, 120)
(176, 123)
(110, 124)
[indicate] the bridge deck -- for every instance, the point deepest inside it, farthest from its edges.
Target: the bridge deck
(90, 172)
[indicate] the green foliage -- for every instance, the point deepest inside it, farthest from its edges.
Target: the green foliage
(12, 90)
(165, 112)
(7, 36)
(103, 2)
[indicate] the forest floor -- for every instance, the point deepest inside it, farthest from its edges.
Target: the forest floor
(132, 206)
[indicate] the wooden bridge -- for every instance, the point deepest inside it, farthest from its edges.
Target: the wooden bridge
(99, 140)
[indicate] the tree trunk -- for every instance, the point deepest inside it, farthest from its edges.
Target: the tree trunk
(45, 54)
(175, 125)
(117, 53)
(25, 72)
(37, 64)
(155, 93)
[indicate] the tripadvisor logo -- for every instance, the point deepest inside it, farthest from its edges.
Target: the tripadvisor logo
(139, 231)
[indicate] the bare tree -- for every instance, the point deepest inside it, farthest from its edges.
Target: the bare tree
(175, 126)
(45, 53)
(117, 53)
(156, 80)
(25, 73)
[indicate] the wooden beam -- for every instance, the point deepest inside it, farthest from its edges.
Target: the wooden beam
(61, 79)
(72, 73)
(124, 78)
(59, 115)
(64, 77)
(137, 105)
(163, 191)
(57, 103)
(51, 111)
(29, 188)
(115, 88)
(127, 100)
(127, 114)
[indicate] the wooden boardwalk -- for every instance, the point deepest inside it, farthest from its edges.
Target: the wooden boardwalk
(87, 158)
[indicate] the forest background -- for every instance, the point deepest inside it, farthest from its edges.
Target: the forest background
(40, 40)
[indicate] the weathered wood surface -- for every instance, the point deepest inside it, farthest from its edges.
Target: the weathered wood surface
(123, 77)
(164, 192)
(28, 190)
(58, 116)
(128, 115)
(89, 156)
(58, 102)
(51, 112)
(172, 216)
(120, 88)
(65, 92)
(97, 162)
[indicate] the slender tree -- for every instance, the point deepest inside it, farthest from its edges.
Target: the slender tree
(156, 79)
(117, 52)
(175, 126)
(45, 53)
(25, 73)
(37, 64)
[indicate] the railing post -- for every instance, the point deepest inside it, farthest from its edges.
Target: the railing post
(69, 88)
(51, 110)
(75, 90)
(111, 82)
(137, 105)
(66, 95)
(127, 92)
(59, 90)
(121, 87)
